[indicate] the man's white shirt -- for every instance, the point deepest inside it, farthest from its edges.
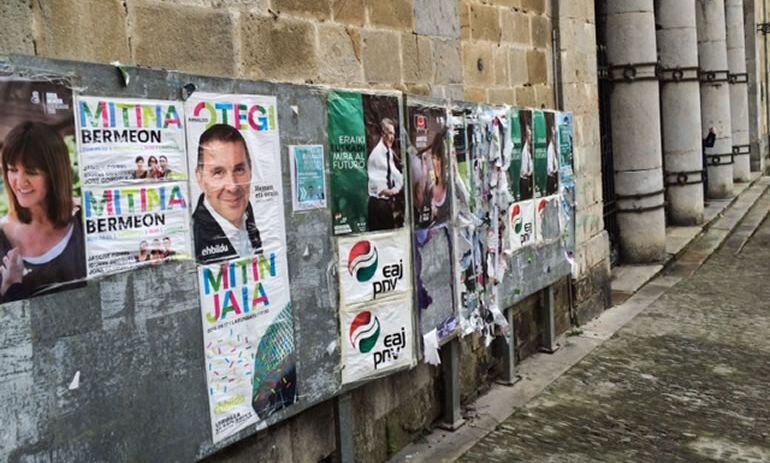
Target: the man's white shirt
(526, 161)
(553, 164)
(238, 236)
(377, 169)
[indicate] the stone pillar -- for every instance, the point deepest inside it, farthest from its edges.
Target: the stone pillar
(751, 17)
(715, 96)
(635, 110)
(739, 96)
(680, 109)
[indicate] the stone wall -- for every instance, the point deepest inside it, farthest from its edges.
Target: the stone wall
(496, 51)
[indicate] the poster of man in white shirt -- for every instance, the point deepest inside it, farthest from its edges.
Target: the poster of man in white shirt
(552, 184)
(526, 178)
(385, 179)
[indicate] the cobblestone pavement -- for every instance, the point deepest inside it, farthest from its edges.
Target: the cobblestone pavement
(686, 380)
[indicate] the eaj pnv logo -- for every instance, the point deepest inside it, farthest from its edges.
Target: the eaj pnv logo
(516, 219)
(364, 332)
(362, 261)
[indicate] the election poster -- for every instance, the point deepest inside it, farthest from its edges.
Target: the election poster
(431, 200)
(546, 154)
(522, 224)
(40, 202)
(567, 181)
(130, 140)
(235, 161)
(308, 178)
(374, 267)
(547, 219)
(248, 339)
(522, 168)
(470, 231)
(429, 165)
(367, 170)
(134, 226)
(376, 337)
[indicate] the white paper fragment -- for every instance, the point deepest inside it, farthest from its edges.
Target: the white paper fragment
(75, 383)
(430, 343)
(306, 253)
(295, 109)
(331, 347)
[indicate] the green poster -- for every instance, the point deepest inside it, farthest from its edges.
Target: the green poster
(541, 153)
(347, 144)
(514, 170)
(367, 180)
(565, 140)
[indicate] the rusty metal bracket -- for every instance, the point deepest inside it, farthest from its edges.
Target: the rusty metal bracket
(741, 150)
(632, 72)
(739, 78)
(679, 74)
(714, 76)
(715, 160)
(685, 177)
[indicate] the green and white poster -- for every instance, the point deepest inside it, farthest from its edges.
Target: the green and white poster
(541, 153)
(521, 170)
(308, 181)
(367, 180)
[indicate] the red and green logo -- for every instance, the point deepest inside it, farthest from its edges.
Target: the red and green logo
(364, 332)
(362, 261)
(516, 219)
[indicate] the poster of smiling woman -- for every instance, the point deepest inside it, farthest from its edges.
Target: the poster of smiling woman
(41, 231)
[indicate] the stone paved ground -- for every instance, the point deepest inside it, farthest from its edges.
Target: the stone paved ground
(687, 380)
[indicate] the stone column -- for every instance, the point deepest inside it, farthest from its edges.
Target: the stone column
(739, 96)
(752, 17)
(715, 96)
(635, 110)
(680, 109)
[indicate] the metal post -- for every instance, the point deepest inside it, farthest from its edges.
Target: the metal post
(343, 417)
(549, 330)
(508, 348)
(450, 365)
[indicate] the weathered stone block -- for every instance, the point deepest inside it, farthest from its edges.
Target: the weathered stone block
(61, 30)
(540, 27)
(447, 57)
(278, 49)
(589, 221)
(500, 58)
(349, 11)
(525, 96)
(478, 68)
(475, 94)
(339, 55)
(485, 23)
(437, 17)
(316, 9)
(514, 27)
(537, 66)
(16, 23)
(582, 10)
(506, 3)
(544, 97)
(534, 6)
(593, 251)
(397, 14)
(382, 56)
(502, 96)
(589, 190)
(417, 58)
(465, 20)
(519, 71)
